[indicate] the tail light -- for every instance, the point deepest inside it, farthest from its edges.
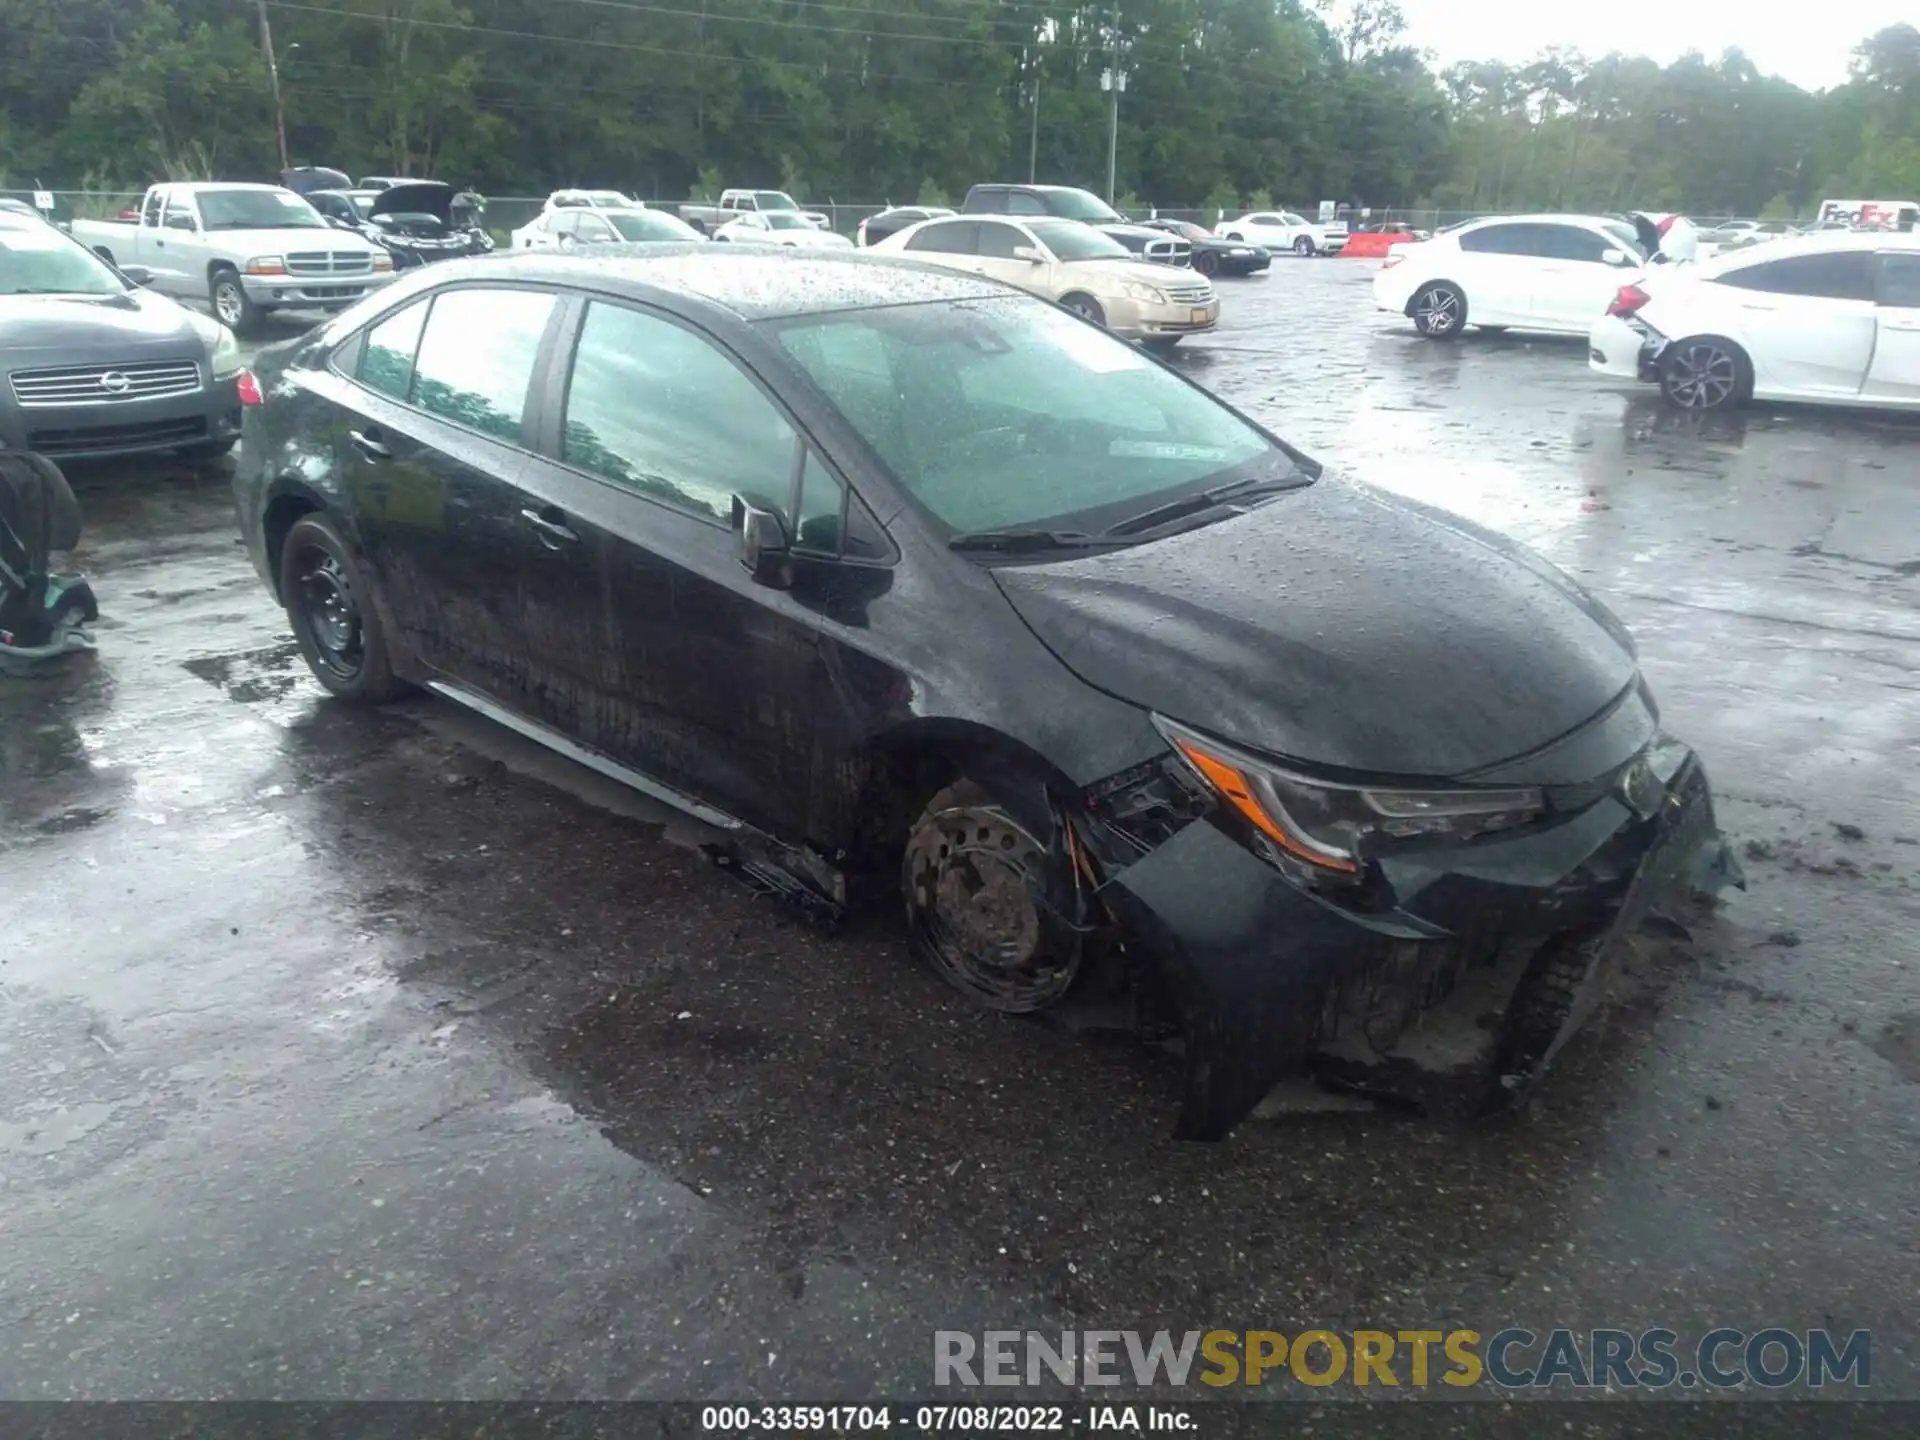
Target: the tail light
(248, 389)
(1629, 299)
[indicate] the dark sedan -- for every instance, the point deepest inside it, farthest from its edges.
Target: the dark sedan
(905, 583)
(95, 365)
(1211, 254)
(876, 228)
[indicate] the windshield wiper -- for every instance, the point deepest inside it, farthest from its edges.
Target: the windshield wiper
(1013, 541)
(1250, 488)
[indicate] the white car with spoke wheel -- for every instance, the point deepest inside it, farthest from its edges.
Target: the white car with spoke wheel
(1277, 230)
(1073, 265)
(1550, 273)
(1831, 318)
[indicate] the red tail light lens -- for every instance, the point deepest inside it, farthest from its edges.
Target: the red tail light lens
(249, 389)
(1630, 299)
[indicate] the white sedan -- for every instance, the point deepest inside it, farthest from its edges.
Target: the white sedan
(590, 200)
(1284, 230)
(781, 227)
(1551, 273)
(1833, 318)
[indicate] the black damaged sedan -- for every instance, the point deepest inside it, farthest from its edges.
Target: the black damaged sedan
(907, 584)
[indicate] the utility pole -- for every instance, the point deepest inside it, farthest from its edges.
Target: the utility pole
(273, 75)
(1113, 80)
(1033, 142)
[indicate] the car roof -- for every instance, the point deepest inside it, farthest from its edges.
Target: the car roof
(749, 283)
(11, 219)
(1546, 217)
(1816, 242)
(1041, 189)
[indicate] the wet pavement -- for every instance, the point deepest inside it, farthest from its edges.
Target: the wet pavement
(352, 1055)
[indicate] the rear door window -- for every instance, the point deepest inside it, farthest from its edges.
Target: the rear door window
(1499, 240)
(953, 237)
(1837, 275)
(475, 364)
(998, 242)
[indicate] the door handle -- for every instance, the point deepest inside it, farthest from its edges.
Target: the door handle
(553, 534)
(367, 442)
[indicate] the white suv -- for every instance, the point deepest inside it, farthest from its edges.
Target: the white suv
(1552, 273)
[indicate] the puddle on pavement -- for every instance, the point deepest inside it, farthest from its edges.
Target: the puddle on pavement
(253, 676)
(51, 1133)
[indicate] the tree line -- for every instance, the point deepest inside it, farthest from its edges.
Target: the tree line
(1225, 103)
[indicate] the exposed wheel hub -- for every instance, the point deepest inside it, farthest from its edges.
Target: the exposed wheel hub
(976, 894)
(331, 611)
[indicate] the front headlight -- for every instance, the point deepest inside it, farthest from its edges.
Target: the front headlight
(382, 261)
(1334, 827)
(226, 354)
(1143, 292)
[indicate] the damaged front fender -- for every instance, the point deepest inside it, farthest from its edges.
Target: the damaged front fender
(1457, 995)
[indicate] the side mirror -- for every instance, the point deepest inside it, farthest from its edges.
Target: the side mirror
(1029, 254)
(137, 275)
(1613, 257)
(764, 549)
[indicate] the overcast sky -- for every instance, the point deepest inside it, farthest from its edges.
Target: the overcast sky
(1809, 45)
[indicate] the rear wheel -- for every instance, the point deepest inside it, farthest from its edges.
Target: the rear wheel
(330, 607)
(1439, 311)
(1085, 306)
(1303, 246)
(1705, 373)
(990, 905)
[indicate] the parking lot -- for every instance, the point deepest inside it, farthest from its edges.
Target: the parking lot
(376, 1055)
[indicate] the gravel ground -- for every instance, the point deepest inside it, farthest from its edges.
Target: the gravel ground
(351, 1055)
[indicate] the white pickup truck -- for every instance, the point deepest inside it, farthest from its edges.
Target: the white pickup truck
(735, 203)
(246, 249)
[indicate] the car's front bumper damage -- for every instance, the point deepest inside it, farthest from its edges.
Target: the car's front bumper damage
(1459, 984)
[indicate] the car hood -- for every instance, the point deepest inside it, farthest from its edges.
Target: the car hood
(1339, 627)
(425, 197)
(1144, 271)
(75, 329)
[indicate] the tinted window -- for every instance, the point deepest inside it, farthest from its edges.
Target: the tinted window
(476, 358)
(1011, 413)
(1499, 240)
(998, 242)
(1844, 275)
(1568, 242)
(955, 237)
(1900, 280)
(386, 364)
(658, 409)
(1019, 204)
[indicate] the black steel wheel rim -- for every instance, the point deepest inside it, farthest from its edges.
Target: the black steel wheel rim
(329, 612)
(976, 885)
(1702, 376)
(1438, 310)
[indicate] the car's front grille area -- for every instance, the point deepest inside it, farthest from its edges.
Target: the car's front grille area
(328, 262)
(1169, 252)
(104, 384)
(1189, 292)
(106, 439)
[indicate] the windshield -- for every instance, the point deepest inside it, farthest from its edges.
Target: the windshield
(1628, 237)
(1079, 205)
(1071, 240)
(774, 200)
(649, 226)
(1011, 414)
(787, 222)
(257, 210)
(608, 200)
(38, 260)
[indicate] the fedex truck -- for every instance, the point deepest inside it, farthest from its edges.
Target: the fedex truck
(1871, 214)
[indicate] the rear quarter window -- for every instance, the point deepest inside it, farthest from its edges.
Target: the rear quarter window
(1499, 240)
